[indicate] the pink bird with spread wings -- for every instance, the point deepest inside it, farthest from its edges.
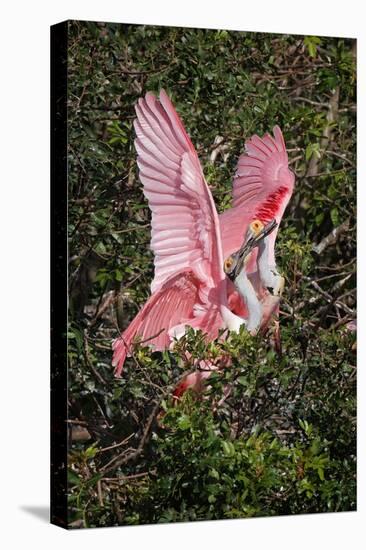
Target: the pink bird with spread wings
(212, 271)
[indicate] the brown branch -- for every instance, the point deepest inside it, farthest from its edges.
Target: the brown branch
(151, 337)
(88, 361)
(127, 478)
(331, 238)
(116, 444)
(121, 460)
(100, 493)
(346, 319)
(123, 70)
(340, 156)
(310, 101)
(102, 306)
(332, 301)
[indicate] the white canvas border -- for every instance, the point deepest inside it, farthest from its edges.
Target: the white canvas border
(24, 355)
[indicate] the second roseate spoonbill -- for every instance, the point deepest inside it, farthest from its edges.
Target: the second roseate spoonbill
(192, 284)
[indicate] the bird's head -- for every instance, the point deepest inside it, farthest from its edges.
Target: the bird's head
(256, 232)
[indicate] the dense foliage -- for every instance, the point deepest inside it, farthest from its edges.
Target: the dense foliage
(275, 432)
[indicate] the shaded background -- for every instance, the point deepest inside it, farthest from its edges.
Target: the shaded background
(284, 440)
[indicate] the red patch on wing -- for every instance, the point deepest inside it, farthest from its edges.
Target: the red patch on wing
(268, 210)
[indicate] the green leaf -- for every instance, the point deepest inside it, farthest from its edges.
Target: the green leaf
(311, 42)
(184, 422)
(91, 451)
(118, 275)
(228, 448)
(214, 473)
(334, 216)
(312, 149)
(73, 478)
(319, 218)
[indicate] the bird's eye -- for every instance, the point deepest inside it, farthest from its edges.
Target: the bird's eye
(228, 264)
(256, 226)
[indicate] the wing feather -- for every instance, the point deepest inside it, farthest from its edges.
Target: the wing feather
(185, 227)
(262, 187)
(173, 304)
(262, 175)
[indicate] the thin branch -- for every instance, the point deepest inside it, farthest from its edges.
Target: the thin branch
(331, 238)
(89, 363)
(121, 460)
(340, 156)
(117, 444)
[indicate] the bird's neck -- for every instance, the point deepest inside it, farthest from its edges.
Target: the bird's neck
(266, 262)
(249, 296)
(263, 254)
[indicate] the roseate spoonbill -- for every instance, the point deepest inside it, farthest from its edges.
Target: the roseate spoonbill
(190, 241)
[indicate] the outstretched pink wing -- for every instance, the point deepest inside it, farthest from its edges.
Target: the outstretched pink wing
(172, 304)
(262, 187)
(189, 282)
(262, 176)
(185, 228)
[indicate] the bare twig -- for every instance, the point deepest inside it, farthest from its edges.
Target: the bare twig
(332, 238)
(127, 478)
(340, 156)
(102, 306)
(121, 460)
(123, 70)
(100, 493)
(89, 363)
(310, 101)
(125, 440)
